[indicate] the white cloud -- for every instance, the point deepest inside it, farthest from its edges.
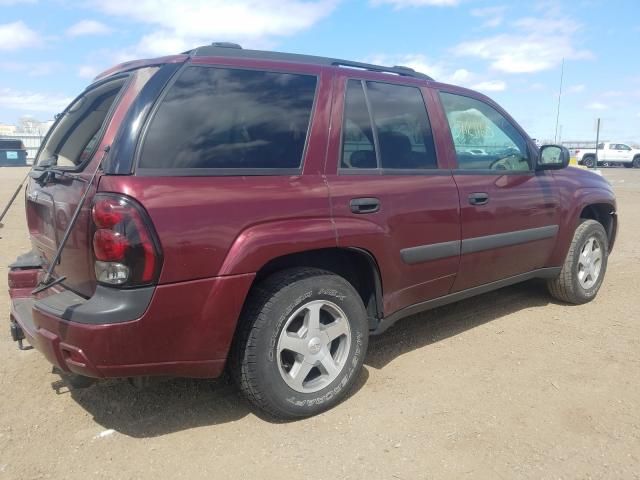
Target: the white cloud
(613, 94)
(578, 88)
(32, 101)
(17, 35)
(419, 63)
(32, 69)
(440, 72)
(536, 44)
(490, 86)
(89, 71)
(87, 27)
(494, 16)
(597, 106)
(177, 27)
(417, 3)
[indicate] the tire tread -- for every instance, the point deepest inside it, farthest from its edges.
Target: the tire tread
(252, 320)
(562, 287)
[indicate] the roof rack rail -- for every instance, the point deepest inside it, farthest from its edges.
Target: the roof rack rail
(226, 45)
(398, 70)
(228, 49)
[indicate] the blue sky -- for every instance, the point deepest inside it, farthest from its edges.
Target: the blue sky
(512, 51)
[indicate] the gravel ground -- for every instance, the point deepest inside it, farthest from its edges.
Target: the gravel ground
(510, 384)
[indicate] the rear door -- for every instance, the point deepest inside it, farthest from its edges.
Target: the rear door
(390, 193)
(73, 148)
(509, 212)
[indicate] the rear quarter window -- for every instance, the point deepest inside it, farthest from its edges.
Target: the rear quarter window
(225, 118)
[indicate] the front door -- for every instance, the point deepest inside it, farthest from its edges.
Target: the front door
(389, 194)
(509, 212)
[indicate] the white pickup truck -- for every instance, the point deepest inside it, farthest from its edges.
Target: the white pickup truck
(609, 152)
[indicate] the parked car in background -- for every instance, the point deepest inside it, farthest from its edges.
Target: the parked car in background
(12, 153)
(266, 213)
(609, 153)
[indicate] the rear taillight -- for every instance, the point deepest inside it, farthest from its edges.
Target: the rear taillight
(125, 247)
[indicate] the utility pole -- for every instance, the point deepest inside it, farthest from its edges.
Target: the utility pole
(555, 139)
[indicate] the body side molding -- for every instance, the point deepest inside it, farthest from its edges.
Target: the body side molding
(435, 251)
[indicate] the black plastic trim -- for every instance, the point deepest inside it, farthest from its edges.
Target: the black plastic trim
(479, 244)
(377, 281)
(27, 261)
(425, 253)
(217, 172)
(387, 322)
(121, 156)
(488, 171)
(395, 171)
(106, 306)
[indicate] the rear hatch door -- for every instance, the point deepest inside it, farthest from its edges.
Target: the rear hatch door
(70, 154)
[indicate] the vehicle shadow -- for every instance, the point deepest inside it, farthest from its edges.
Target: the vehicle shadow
(438, 324)
(167, 405)
(171, 405)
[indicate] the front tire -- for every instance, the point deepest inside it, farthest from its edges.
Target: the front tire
(636, 162)
(585, 266)
(301, 343)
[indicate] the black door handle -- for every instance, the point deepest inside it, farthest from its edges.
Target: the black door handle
(364, 205)
(479, 198)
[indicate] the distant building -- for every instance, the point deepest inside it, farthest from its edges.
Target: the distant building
(6, 129)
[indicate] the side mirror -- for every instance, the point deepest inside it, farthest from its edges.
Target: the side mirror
(553, 157)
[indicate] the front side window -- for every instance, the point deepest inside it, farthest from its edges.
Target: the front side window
(225, 118)
(401, 129)
(483, 138)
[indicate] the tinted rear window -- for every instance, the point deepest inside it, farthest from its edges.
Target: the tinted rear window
(231, 119)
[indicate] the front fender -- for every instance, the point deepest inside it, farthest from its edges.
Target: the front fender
(572, 207)
(258, 244)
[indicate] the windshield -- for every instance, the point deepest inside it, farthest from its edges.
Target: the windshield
(75, 135)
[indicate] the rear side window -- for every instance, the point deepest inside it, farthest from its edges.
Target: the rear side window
(393, 133)
(224, 118)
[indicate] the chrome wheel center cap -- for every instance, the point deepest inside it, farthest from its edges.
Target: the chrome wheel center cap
(314, 345)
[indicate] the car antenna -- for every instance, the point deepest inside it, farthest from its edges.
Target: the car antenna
(49, 280)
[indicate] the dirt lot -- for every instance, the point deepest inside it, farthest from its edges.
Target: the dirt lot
(507, 385)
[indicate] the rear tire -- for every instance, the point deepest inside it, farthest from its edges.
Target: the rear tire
(585, 266)
(302, 339)
(589, 161)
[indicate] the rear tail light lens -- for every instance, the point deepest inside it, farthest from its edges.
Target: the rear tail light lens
(125, 245)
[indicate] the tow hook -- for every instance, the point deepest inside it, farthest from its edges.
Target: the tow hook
(18, 335)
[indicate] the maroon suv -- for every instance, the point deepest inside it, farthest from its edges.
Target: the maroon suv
(267, 212)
